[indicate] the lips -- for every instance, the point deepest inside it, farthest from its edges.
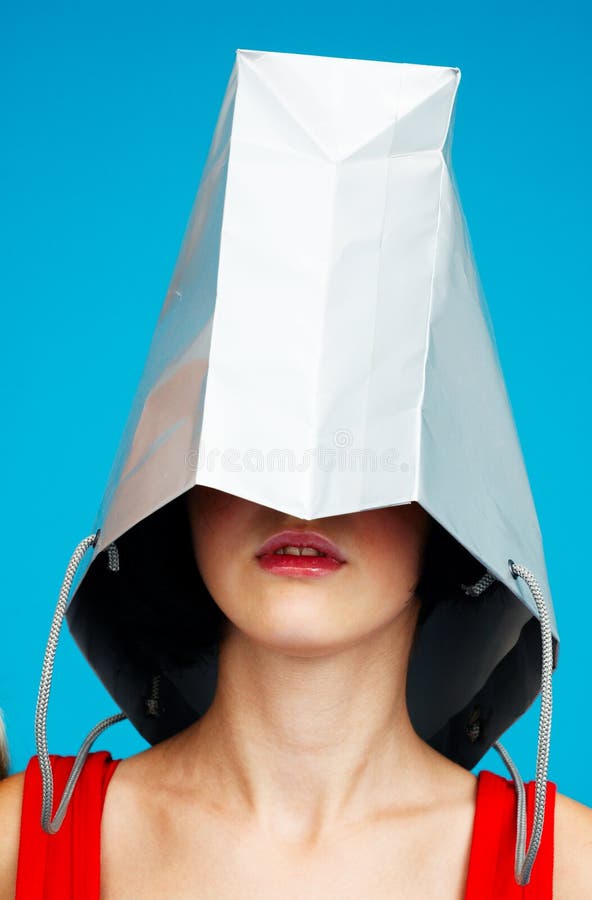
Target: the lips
(301, 539)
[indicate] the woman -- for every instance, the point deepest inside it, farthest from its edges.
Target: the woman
(305, 777)
(319, 656)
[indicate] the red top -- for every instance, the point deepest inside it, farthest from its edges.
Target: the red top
(66, 865)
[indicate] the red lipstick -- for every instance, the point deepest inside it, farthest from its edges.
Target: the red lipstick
(299, 565)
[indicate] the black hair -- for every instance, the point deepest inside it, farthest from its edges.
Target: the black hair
(445, 565)
(167, 618)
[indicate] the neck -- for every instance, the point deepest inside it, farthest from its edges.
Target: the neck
(306, 744)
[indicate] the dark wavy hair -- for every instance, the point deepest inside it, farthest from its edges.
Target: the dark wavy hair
(166, 616)
(444, 566)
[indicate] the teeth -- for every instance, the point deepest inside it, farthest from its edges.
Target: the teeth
(298, 551)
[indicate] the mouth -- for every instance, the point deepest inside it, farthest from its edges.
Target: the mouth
(299, 553)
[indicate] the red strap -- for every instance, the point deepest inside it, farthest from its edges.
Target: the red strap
(67, 864)
(491, 866)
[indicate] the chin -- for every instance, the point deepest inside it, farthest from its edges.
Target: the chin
(303, 635)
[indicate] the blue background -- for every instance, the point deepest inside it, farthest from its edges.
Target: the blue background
(107, 113)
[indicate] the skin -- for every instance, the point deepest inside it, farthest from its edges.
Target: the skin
(306, 763)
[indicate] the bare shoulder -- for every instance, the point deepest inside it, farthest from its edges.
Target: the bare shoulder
(572, 866)
(11, 798)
